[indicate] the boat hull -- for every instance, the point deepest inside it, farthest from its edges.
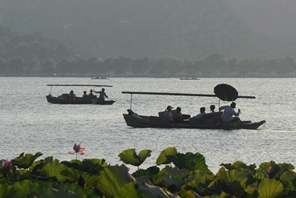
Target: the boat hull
(158, 122)
(78, 100)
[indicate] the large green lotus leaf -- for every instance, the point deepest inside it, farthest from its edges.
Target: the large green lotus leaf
(199, 182)
(166, 181)
(288, 179)
(251, 189)
(149, 190)
(169, 176)
(73, 175)
(34, 168)
(175, 172)
(128, 191)
(112, 179)
(26, 161)
(6, 190)
(238, 165)
(189, 161)
(22, 188)
(270, 188)
(261, 174)
(233, 181)
(54, 170)
(130, 156)
(91, 166)
(162, 158)
(151, 171)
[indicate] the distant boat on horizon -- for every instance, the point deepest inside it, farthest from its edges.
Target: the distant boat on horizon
(100, 77)
(189, 78)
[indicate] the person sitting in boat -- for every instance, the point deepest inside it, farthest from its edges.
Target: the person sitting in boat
(90, 93)
(84, 94)
(72, 96)
(177, 115)
(202, 111)
(133, 114)
(212, 108)
(229, 114)
(168, 113)
(103, 94)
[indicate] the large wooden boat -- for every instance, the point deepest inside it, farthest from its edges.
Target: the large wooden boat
(64, 98)
(208, 121)
(159, 122)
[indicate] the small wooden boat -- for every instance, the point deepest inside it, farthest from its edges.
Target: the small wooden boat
(208, 121)
(65, 99)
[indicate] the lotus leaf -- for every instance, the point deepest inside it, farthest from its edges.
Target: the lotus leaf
(73, 176)
(238, 165)
(92, 166)
(189, 161)
(54, 170)
(252, 189)
(26, 161)
(234, 181)
(129, 191)
(129, 156)
(6, 190)
(261, 174)
(22, 188)
(151, 171)
(275, 170)
(112, 179)
(270, 188)
(172, 178)
(199, 182)
(150, 190)
(162, 158)
(288, 179)
(175, 172)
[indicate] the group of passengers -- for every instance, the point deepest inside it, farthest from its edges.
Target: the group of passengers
(102, 95)
(228, 113)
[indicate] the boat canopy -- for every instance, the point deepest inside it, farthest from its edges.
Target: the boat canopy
(222, 91)
(81, 85)
(180, 94)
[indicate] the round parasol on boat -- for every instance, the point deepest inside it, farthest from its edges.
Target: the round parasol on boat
(226, 92)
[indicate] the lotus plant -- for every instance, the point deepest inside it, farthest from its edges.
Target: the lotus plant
(78, 149)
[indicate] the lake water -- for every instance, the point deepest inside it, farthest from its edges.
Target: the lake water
(30, 124)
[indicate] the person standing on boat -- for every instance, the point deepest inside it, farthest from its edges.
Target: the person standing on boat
(229, 114)
(103, 95)
(168, 113)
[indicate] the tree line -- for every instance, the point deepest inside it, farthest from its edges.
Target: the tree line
(214, 65)
(40, 55)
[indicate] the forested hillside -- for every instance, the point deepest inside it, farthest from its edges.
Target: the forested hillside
(154, 28)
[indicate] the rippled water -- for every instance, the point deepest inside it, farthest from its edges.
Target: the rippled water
(29, 124)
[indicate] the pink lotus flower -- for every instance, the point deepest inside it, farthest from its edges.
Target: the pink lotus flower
(77, 149)
(6, 163)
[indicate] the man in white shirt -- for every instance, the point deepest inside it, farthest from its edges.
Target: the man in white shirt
(229, 114)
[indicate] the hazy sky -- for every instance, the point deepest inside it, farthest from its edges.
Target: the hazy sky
(270, 17)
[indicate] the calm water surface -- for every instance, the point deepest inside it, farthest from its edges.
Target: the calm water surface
(29, 124)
